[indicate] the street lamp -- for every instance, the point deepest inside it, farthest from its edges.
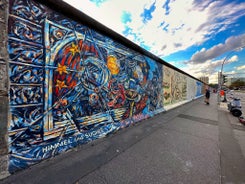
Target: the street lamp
(221, 72)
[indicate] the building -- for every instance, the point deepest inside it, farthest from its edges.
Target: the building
(204, 79)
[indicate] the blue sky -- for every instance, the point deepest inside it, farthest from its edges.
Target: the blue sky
(193, 35)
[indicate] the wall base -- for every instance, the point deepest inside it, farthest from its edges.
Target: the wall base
(4, 167)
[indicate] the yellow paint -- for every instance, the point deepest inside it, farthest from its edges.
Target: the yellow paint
(131, 108)
(61, 69)
(112, 65)
(60, 84)
(74, 49)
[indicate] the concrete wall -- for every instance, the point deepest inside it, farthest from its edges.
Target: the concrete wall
(3, 89)
(72, 81)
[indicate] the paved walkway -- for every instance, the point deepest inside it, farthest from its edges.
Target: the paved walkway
(194, 143)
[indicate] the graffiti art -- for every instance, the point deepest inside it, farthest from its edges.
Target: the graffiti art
(175, 86)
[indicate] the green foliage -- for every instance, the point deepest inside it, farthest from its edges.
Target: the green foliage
(215, 86)
(237, 83)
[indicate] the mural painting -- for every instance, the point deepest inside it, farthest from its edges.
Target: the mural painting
(191, 88)
(70, 85)
(200, 89)
(175, 86)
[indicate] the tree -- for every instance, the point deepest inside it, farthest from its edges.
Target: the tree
(238, 83)
(215, 86)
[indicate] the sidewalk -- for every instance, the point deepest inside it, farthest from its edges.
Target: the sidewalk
(194, 143)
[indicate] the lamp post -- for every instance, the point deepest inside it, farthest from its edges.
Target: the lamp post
(221, 72)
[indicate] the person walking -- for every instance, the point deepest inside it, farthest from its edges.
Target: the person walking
(207, 96)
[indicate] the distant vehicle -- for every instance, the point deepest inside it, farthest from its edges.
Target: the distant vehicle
(235, 107)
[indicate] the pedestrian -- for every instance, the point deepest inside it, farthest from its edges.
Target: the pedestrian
(207, 96)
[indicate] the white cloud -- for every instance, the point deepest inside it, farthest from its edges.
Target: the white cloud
(209, 68)
(232, 59)
(241, 67)
(181, 31)
(231, 44)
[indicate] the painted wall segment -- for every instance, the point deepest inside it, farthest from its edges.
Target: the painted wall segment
(191, 89)
(200, 89)
(175, 86)
(70, 85)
